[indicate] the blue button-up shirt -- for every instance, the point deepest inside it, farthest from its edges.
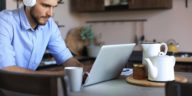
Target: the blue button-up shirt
(21, 45)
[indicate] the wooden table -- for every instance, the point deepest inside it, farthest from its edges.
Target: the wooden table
(120, 87)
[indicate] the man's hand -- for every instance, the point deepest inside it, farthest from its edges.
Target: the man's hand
(72, 62)
(85, 75)
(75, 62)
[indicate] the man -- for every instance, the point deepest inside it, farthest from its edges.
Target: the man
(26, 33)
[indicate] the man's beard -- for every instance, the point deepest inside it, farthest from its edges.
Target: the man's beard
(35, 19)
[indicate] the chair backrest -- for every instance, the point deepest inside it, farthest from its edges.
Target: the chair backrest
(36, 84)
(178, 89)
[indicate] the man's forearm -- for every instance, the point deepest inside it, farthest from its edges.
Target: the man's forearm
(71, 62)
(27, 71)
(17, 69)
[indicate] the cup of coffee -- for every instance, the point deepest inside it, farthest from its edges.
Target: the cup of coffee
(74, 75)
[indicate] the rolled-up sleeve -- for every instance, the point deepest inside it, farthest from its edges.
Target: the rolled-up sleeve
(57, 47)
(7, 54)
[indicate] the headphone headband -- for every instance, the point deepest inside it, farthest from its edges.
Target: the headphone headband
(29, 3)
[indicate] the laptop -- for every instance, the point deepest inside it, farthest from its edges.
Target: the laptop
(109, 63)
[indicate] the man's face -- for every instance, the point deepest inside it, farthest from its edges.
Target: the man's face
(43, 9)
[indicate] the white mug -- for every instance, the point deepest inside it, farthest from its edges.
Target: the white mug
(74, 75)
(153, 49)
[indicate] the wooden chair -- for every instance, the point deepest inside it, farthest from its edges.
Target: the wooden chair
(178, 89)
(29, 83)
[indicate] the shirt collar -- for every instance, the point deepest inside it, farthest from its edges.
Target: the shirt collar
(24, 20)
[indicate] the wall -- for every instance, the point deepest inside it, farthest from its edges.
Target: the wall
(11, 4)
(161, 25)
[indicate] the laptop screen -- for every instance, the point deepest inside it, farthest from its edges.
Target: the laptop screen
(109, 63)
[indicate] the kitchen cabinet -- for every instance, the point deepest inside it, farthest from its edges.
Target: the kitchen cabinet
(150, 4)
(183, 67)
(100, 5)
(2, 5)
(184, 64)
(86, 5)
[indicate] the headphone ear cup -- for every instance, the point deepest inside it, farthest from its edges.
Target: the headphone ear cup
(29, 3)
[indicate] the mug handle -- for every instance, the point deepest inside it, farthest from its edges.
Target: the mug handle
(166, 48)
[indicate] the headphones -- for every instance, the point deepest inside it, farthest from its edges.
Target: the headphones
(29, 3)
